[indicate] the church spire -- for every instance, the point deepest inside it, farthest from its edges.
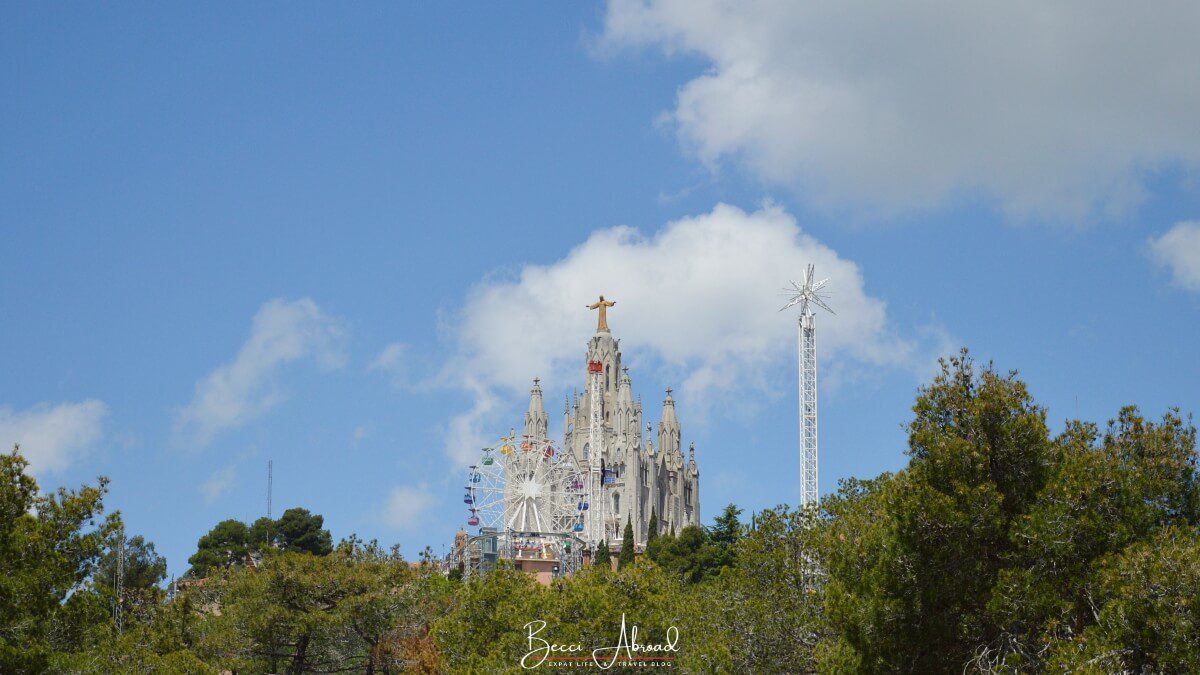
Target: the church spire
(668, 428)
(624, 389)
(668, 415)
(537, 422)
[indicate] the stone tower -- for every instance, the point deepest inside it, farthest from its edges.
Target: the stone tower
(634, 475)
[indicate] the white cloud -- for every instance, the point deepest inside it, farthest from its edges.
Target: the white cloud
(468, 432)
(406, 504)
(1179, 250)
(218, 483)
(1051, 109)
(392, 361)
(237, 392)
(700, 297)
(52, 437)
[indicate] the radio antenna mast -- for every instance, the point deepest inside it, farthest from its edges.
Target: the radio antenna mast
(270, 484)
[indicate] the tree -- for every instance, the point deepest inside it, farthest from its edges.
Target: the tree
(144, 570)
(1105, 494)
(727, 530)
(357, 609)
(652, 528)
(1149, 610)
(691, 556)
(725, 534)
(603, 557)
(262, 533)
(485, 625)
(222, 546)
(627, 554)
(765, 609)
(229, 542)
(300, 530)
(918, 601)
(49, 545)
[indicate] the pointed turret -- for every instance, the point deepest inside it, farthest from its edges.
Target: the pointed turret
(668, 416)
(668, 428)
(537, 422)
(624, 389)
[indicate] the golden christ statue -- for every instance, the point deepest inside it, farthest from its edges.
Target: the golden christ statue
(602, 305)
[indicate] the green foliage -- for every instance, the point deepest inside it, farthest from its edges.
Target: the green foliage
(144, 571)
(916, 599)
(652, 527)
(262, 533)
(724, 535)
(49, 545)
(484, 629)
(487, 628)
(231, 541)
(603, 558)
(299, 530)
(655, 546)
(764, 610)
(696, 555)
(222, 546)
(997, 548)
(994, 548)
(359, 609)
(1149, 610)
(627, 554)
(1105, 494)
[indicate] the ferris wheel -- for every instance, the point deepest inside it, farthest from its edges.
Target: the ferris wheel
(523, 486)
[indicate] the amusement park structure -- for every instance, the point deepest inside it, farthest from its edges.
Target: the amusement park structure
(804, 293)
(545, 508)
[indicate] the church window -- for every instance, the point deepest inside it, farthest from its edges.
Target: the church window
(616, 502)
(587, 450)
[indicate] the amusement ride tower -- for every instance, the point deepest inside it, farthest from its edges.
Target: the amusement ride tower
(802, 294)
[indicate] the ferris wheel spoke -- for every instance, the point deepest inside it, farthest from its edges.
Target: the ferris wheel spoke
(537, 518)
(516, 513)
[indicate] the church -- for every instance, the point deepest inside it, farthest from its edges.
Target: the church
(632, 472)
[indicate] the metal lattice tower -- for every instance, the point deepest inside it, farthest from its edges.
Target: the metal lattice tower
(804, 293)
(270, 484)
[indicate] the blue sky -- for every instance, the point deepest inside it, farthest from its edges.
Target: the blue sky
(345, 240)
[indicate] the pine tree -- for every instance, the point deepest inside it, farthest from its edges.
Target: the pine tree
(652, 529)
(626, 557)
(602, 555)
(727, 529)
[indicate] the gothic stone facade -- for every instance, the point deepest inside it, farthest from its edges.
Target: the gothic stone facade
(641, 474)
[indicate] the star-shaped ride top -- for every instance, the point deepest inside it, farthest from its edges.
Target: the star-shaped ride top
(808, 291)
